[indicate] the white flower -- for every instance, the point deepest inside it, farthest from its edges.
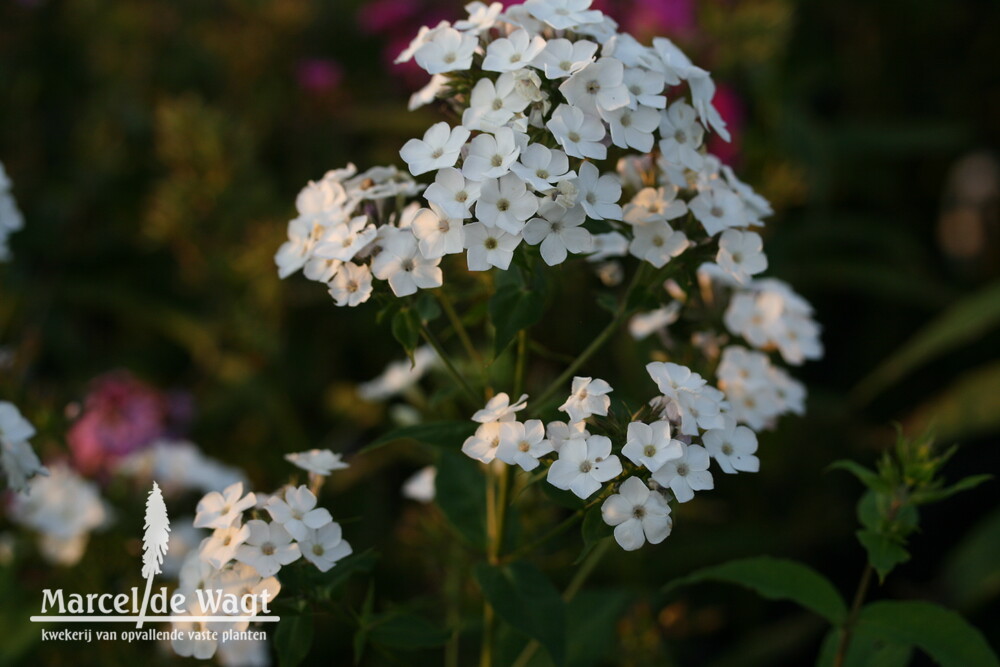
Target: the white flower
(424, 34)
(645, 87)
(447, 50)
(608, 245)
(506, 203)
(584, 465)
(563, 14)
(673, 64)
(561, 57)
(560, 432)
(671, 378)
(702, 92)
(483, 445)
(63, 507)
(297, 512)
(481, 17)
(317, 461)
(437, 85)
(598, 193)
(352, 285)
(220, 548)
(222, 510)
(344, 241)
(244, 653)
(522, 444)
(718, 209)
(321, 270)
(578, 133)
(453, 193)
(650, 445)
(732, 447)
(401, 263)
(492, 105)
(588, 397)
(399, 376)
(655, 204)
(268, 548)
(500, 409)
(439, 148)
(295, 252)
(512, 53)
(632, 128)
(599, 86)
(541, 167)
(420, 486)
(638, 515)
(489, 246)
(17, 458)
(741, 254)
(681, 136)
(195, 639)
(687, 474)
(558, 230)
(643, 325)
(178, 466)
(438, 234)
(657, 242)
(324, 547)
(490, 155)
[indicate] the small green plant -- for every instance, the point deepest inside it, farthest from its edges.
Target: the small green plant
(881, 633)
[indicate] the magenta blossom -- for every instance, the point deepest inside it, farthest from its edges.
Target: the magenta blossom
(318, 75)
(730, 106)
(122, 414)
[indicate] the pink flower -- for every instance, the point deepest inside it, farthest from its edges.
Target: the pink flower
(121, 415)
(383, 15)
(730, 106)
(318, 75)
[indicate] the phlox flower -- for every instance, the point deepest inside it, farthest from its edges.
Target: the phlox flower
(489, 246)
(401, 263)
(439, 148)
(297, 512)
(222, 510)
(506, 203)
(325, 546)
(522, 444)
(638, 515)
(587, 397)
(732, 447)
(559, 231)
(446, 50)
(578, 133)
(317, 461)
(561, 58)
(267, 548)
(513, 52)
(352, 284)
(583, 465)
(598, 87)
(686, 474)
(650, 445)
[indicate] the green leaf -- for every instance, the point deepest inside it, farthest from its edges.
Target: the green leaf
(865, 475)
(292, 639)
(939, 632)
(963, 323)
(593, 530)
(937, 495)
(461, 495)
(427, 307)
(776, 579)
(406, 631)
(972, 570)
(406, 330)
(864, 651)
(884, 553)
(591, 619)
(516, 305)
(446, 434)
(525, 599)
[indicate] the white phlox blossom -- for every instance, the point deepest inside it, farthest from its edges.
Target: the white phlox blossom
(638, 515)
(11, 219)
(17, 458)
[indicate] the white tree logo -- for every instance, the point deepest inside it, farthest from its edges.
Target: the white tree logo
(154, 542)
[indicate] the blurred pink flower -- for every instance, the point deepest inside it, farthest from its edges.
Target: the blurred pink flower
(661, 17)
(318, 75)
(122, 414)
(382, 15)
(730, 106)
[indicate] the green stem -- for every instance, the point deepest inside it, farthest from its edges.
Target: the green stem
(595, 345)
(852, 618)
(575, 584)
(456, 323)
(558, 530)
(449, 366)
(522, 360)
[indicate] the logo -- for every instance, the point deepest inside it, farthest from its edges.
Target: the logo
(155, 606)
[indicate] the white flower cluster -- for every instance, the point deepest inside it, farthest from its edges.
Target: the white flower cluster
(244, 556)
(17, 458)
(545, 90)
(63, 508)
(664, 452)
(179, 466)
(11, 219)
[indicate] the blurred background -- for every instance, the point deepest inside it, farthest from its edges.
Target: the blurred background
(156, 148)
